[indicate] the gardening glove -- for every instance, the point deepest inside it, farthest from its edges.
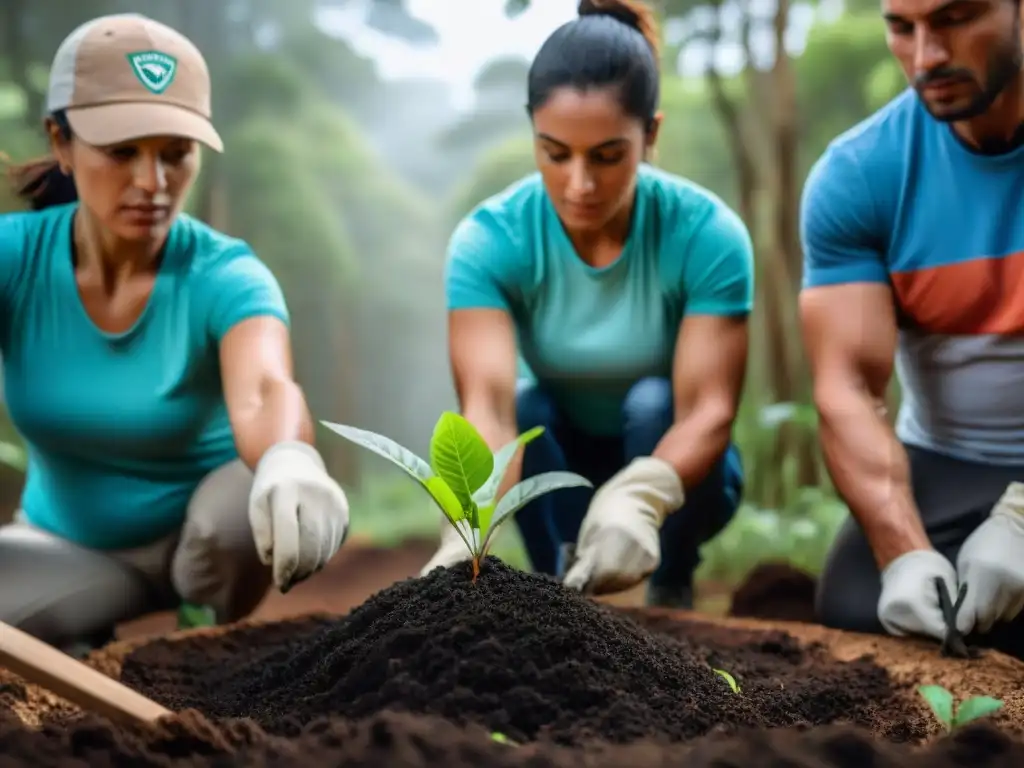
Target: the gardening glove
(619, 544)
(298, 513)
(909, 603)
(453, 549)
(991, 564)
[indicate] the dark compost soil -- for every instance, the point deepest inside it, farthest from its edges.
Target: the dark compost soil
(775, 591)
(516, 653)
(424, 670)
(396, 740)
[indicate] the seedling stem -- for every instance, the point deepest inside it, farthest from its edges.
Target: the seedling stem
(463, 477)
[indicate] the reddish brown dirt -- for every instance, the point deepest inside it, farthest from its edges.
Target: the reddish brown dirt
(791, 675)
(356, 572)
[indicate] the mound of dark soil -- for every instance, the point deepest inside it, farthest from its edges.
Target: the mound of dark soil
(516, 653)
(776, 592)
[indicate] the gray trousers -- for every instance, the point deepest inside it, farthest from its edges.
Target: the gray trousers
(66, 595)
(954, 497)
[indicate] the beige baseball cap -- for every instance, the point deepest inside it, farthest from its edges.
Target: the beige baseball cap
(125, 76)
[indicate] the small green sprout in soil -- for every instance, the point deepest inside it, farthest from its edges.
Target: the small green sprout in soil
(729, 679)
(941, 702)
(463, 477)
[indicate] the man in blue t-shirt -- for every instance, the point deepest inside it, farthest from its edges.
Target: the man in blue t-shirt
(913, 233)
(626, 291)
(147, 364)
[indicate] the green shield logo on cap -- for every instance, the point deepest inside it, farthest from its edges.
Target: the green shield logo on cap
(155, 70)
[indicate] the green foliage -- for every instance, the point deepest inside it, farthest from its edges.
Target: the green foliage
(463, 477)
(799, 534)
(728, 679)
(499, 167)
(13, 456)
(193, 616)
(941, 702)
(884, 82)
(501, 738)
(504, 72)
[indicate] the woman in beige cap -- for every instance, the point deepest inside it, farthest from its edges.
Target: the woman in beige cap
(147, 364)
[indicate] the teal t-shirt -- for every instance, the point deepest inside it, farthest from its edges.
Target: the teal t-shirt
(121, 428)
(587, 335)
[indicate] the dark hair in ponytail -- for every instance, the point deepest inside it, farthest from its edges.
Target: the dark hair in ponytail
(41, 183)
(612, 44)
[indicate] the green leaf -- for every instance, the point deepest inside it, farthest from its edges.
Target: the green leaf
(13, 456)
(975, 707)
(192, 615)
(486, 514)
(485, 495)
(941, 702)
(460, 456)
(501, 738)
(728, 678)
(523, 493)
(445, 499)
(385, 447)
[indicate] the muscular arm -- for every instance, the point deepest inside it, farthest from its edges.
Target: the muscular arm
(710, 360)
(850, 334)
(264, 403)
(849, 330)
(710, 365)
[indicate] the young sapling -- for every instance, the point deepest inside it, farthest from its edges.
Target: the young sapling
(941, 702)
(463, 476)
(733, 685)
(501, 738)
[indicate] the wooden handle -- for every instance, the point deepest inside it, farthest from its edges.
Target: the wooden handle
(45, 666)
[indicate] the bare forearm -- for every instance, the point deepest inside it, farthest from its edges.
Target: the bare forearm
(696, 442)
(869, 468)
(279, 414)
(497, 429)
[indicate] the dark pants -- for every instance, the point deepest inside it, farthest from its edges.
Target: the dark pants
(647, 414)
(954, 497)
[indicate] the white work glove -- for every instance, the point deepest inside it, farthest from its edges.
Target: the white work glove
(991, 564)
(619, 544)
(909, 603)
(298, 513)
(452, 550)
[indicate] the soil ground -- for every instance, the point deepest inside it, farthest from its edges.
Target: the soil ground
(576, 684)
(360, 569)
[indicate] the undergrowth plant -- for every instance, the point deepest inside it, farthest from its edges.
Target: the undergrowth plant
(941, 702)
(463, 476)
(733, 685)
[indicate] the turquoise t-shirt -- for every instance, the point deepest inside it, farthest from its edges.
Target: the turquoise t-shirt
(121, 428)
(587, 335)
